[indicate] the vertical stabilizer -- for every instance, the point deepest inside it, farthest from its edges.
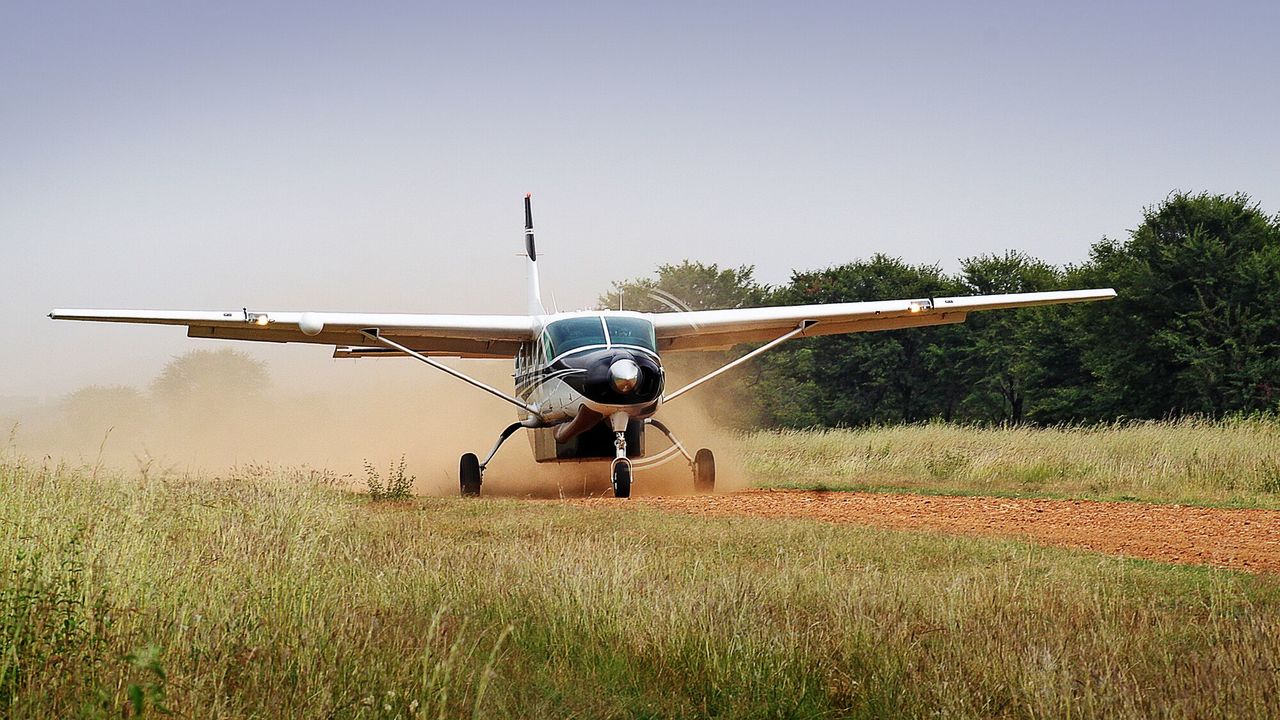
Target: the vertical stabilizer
(535, 292)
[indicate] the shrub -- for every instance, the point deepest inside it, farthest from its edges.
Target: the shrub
(52, 624)
(397, 486)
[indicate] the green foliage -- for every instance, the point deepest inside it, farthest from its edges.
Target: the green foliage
(266, 594)
(273, 597)
(993, 355)
(1196, 326)
(148, 693)
(52, 622)
(864, 377)
(1230, 462)
(687, 286)
(398, 484)
(1195, 330)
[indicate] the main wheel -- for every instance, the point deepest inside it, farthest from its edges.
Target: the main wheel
(469, 475)
(621, 472)
(704, 471)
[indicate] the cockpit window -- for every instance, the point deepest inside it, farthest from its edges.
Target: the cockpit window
(631, 331)
(573, 333)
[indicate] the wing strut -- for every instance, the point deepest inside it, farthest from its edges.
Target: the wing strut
(804, 325)
(374, 335)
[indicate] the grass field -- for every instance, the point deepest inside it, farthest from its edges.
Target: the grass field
(271, 593)
(1233, 462)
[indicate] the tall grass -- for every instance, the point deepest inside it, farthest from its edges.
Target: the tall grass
(275, 593)
(1192, 461)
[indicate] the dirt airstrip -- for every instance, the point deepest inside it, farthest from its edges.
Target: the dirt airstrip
(1240, 539)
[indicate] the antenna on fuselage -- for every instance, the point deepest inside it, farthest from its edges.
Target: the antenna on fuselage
(535, 291)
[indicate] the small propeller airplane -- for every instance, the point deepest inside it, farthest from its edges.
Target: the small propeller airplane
(587, 384)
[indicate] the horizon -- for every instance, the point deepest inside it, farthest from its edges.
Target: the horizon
(374, 158)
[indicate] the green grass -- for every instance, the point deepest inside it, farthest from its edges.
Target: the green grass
(1232, 463)
(276, 594)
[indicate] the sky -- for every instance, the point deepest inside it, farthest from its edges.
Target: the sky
(373, 156)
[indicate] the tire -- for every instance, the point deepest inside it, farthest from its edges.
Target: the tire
(704, 471)
(621, 478)
(469, 475)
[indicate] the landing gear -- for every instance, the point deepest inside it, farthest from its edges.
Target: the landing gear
(703, 462)
(471, 470)
(620, 474)
(704, 471)
(469, 475)
(620, 468)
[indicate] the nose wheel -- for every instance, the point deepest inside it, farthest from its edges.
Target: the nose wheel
(620, 468)
(620, 475)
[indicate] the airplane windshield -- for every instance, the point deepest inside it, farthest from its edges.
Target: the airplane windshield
(631, 331)
(573, 333)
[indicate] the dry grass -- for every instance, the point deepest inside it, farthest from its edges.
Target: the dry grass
(274, 594)
(1232, 462)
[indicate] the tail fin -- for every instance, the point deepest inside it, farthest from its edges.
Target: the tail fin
(535, 292)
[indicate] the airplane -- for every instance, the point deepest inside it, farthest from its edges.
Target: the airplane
(587, 383)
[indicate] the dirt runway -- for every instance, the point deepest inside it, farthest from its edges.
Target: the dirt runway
(1240, 539)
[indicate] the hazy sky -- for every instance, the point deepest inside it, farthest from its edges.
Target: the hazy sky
(372, 156)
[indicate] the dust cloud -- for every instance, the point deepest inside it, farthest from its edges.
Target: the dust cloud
(336, 415)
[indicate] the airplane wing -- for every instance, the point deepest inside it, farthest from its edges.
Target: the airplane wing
(722, 329)
(478, 336)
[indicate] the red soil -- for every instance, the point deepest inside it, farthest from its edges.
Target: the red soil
(1240, 539)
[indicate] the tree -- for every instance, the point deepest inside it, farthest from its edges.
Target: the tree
(210, 376)
(1196, 326)
(994, 354)
(864, 377)
(688, 286)
(1195, 329)
(1061, 386)
(89, 413)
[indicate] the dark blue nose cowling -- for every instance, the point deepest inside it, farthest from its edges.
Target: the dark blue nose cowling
(621, 377)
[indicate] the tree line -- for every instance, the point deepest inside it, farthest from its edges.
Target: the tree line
(1194, 330)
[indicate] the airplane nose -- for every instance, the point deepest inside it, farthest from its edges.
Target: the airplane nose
(624, 375)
